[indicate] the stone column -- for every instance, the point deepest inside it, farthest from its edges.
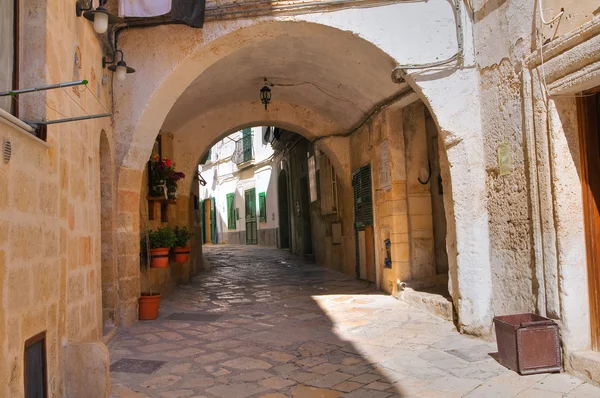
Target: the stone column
(127, 236)
(453, 100)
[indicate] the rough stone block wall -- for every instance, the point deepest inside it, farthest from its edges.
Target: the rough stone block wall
(164, 280)
(418, 194)
(50, 240)
(391, 208)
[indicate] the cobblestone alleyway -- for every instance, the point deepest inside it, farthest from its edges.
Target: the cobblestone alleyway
(269, 324)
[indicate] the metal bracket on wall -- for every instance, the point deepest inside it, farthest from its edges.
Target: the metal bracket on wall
(13, 93)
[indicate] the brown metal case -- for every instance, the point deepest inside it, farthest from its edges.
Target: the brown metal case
(528, 343)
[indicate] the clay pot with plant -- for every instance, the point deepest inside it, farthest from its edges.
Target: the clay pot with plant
(160, 242)
(181, 248)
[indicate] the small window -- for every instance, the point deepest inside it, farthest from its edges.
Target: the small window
(262, 206)
(35, 367)
(9, 54)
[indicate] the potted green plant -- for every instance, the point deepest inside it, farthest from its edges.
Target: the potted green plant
(160, 242)
(181, 248)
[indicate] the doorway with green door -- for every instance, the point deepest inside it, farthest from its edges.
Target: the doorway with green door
(251, 222)
(209, 221)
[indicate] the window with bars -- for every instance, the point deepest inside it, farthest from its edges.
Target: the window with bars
(231, 211)
(244, 150)
(262, 206)
(35, 367)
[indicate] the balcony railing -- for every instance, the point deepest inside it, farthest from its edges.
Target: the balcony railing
(244, 150)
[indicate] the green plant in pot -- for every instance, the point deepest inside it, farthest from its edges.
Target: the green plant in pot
(160, 242)
(181, 247)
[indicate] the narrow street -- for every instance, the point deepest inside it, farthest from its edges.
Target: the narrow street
(264, 323)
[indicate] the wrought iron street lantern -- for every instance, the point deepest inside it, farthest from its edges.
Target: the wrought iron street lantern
(120, 68)
(265, 94)
(100, 16)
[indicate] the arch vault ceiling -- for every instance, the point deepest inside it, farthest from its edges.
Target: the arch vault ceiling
(332, 72)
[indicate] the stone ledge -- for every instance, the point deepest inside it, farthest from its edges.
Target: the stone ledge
(585, 365)
(19, 126)
(435, 304)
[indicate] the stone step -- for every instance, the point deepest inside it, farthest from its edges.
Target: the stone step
(433, 303)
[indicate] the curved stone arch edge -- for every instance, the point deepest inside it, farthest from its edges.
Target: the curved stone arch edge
(458, 123)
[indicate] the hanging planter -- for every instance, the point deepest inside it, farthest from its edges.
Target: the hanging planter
(181, 250)
(160, 257)
(159, 243)
(149, 304)
(181, 254)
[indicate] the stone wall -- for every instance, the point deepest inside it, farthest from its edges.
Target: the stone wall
(51, 247)
(163, 280)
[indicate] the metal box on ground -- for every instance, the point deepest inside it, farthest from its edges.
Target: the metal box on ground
(528, 343)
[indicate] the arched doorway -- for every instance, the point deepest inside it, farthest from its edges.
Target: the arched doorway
(284, 210)
(108, 264)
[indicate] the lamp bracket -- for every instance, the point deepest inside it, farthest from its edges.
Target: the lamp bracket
(79, 9)
(105, 61)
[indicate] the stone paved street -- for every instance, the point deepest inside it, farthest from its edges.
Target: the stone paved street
(284, 328)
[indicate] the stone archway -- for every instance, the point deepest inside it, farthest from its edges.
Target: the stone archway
(451, 94)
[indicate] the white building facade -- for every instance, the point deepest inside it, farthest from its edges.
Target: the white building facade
(238, 204)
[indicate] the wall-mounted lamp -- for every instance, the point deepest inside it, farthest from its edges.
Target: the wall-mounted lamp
(120, 67)
(100, 16)
(265, 94)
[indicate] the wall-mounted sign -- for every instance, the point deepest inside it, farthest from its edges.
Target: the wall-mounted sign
(504, 161)
(385, 178)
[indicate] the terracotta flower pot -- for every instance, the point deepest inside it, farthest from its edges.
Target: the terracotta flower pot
(181, 254)
(160, 258)
(149, 303)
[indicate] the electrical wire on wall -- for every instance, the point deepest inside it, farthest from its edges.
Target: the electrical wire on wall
(458, 56)
(539, 35)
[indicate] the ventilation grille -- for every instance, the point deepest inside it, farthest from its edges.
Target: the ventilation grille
(35, 369)
(6, 151)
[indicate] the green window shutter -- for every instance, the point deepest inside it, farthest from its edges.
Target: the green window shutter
(230, 212)
(209, 154)
(262, 205)
(366, 194)
(247, 144)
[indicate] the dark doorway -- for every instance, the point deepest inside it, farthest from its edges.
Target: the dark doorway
(284, 211)
(305, 215)
(589, 120)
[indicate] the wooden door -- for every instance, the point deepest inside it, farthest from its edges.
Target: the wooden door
(251, 228)
(207, 222)
(589, 114)
(202, 222)
(370, 253)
